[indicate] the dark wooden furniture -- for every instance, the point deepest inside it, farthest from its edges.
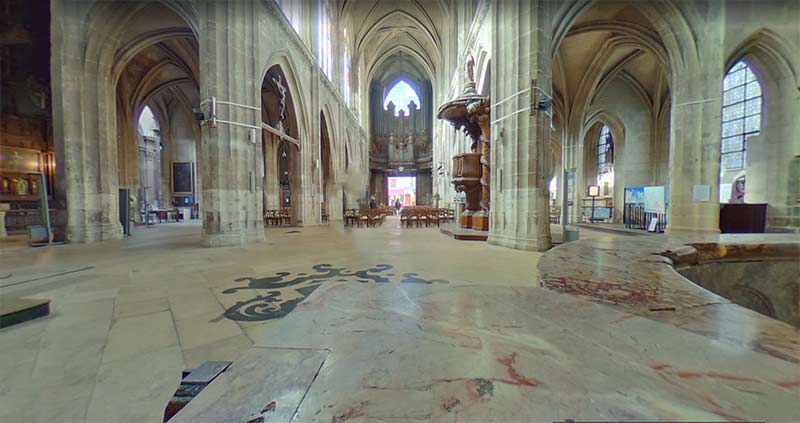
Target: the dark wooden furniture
(163, 214)
(742, 218)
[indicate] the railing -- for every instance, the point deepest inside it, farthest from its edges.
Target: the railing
(635, 217)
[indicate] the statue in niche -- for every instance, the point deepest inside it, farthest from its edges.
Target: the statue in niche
(34, 185)
(282, 93)
(376, 148)
(38, 93)
(422, 146)
(20, 186)
(470, 69)
(737, 190)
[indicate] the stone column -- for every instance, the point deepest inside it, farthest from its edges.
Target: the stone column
(85, 144)
(695, 130)
(519, 215)
(230, 162)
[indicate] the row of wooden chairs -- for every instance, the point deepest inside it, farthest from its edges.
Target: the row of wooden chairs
(428, 216)
(281, 217)
(368, 218)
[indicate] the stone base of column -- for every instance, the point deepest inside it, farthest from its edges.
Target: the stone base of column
(230, 239)
(480, 221)
(94, 232)
(519, 243)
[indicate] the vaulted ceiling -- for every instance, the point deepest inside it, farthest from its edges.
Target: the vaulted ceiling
(385, 27)
(166, 69)
(606, 42)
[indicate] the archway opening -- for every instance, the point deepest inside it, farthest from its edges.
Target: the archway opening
(327, 194)
(402, 189)
(612, 64)
(158, 135)
(150, 148)
(281, 179)
(401, 101)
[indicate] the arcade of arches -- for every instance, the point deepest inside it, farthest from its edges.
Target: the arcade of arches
(418, 210)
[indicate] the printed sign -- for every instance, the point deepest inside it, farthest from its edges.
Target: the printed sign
(654, 199)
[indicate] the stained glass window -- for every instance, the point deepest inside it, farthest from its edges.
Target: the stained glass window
(346, 71)
(325, 40)
(291, 9)
(741, 115)
(605, 151)
(401, 94)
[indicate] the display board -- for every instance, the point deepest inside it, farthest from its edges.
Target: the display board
(634, 195)
(655, 199)
(182, 177)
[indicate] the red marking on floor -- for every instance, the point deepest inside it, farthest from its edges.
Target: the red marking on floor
(660, 366)
(517, 378)
(689, 375)
(349, 413)
(791, 384)
(732, 377)
(711, 401)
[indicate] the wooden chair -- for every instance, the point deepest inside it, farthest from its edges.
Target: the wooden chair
(376, 218)
(403, 218)
(423, 218)
(284, 218)
(433, 217)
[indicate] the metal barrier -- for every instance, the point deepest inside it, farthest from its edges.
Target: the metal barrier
(635, 217)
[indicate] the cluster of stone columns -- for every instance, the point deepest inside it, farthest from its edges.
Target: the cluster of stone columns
(521, 157)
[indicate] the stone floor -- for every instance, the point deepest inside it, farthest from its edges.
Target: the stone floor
(129, 316)
(400, 325)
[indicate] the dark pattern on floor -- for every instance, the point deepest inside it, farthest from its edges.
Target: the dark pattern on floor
(273, 304)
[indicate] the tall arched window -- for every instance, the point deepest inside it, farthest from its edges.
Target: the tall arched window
(324, 39)
(346, 70)
(401, 94)
(291, 9)
(605, 160)
(148, 125)
(741, 119)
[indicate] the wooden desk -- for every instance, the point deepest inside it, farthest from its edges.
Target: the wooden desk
(742, 218)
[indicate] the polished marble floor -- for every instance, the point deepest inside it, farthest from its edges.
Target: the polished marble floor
(399, 325)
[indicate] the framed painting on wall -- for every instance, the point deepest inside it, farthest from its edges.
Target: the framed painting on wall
(182, 178)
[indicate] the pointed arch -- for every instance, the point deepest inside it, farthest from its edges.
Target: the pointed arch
(296, 94)
(769, 49)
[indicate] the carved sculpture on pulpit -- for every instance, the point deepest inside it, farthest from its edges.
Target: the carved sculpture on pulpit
(470, 112)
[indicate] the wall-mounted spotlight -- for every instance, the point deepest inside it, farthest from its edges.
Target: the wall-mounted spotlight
(209, 117)
(544, 104)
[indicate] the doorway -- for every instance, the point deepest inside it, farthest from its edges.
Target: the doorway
(403, 188)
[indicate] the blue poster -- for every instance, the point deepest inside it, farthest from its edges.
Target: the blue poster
(634, 195)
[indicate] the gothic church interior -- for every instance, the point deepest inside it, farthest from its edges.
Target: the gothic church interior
(399, 210)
